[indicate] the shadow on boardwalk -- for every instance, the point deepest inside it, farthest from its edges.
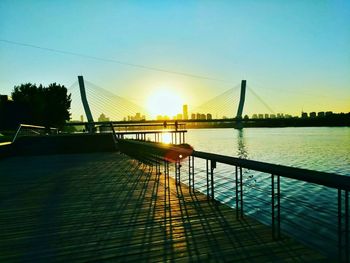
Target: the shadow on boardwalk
(107, 207)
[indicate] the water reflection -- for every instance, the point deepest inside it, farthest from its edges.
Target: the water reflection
(242, 152)
(241, 145)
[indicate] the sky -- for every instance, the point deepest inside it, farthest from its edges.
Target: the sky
(294, 54)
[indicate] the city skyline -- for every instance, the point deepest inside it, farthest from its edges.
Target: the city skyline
(294, 55)
(186, 115)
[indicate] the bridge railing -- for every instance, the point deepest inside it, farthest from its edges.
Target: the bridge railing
(33, 130)
(153, 131)
(149, 126)
(318, 207)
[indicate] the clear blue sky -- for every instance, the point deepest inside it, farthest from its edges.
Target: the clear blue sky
(295, 54)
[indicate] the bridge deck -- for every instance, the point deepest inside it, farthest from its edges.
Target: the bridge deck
(104, 206)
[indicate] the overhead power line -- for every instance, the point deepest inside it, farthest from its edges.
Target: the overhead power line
(145, 67)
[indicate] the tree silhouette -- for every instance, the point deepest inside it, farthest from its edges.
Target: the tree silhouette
(46, 106)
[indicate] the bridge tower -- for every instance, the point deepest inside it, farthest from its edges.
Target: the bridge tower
(90, 126)
(241, 100)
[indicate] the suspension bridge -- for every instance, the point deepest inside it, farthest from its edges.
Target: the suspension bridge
(91, 101)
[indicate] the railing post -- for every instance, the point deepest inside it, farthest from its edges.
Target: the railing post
(276, 206)
(239, 192)
(343, 226)
(212, 167)
(191, 173)
(207, 166)
(113, 131)
(177, 172)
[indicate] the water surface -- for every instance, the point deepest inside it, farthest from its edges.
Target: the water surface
(308, 211)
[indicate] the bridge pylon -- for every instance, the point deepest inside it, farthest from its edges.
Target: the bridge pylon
(241, 100)
(90, 127)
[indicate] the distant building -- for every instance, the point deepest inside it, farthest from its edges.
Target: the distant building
(198, 116)
(193, 116)
(161, 117)
(266, 116)
(261, 116)
(82, 118)
(185, 112)
(320, 114)
(246, 117)
(313, 114)
(255, 116)
(272, 116)
(179, 116)
(203, 116)
(138, 117)
(304, 115)
(209, 116)
(329, 113)
(103, 118)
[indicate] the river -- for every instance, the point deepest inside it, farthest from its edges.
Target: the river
(308, 212)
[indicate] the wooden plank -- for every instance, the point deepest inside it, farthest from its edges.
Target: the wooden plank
(105, 206)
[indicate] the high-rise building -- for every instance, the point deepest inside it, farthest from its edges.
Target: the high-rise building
(138, 116)
(209, 116)
(185, 112)
(193, 116)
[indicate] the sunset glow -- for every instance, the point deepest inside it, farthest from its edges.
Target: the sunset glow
(164, 102)
(166, 138)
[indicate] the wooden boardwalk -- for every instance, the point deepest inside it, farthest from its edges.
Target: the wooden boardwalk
(107, 207)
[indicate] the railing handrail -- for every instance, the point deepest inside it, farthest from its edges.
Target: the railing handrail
(127, 123)
(29, 126)
(151, 149)
(322, 178)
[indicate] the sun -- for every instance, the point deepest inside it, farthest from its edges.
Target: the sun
(164, 102)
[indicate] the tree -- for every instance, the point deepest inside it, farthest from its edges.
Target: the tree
(39, 105)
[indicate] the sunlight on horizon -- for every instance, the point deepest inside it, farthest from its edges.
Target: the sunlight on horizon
(164, 101)
(166, 138)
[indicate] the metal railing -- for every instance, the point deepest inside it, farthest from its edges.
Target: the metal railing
(33, 130)
(285, 211)
(154, 131)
